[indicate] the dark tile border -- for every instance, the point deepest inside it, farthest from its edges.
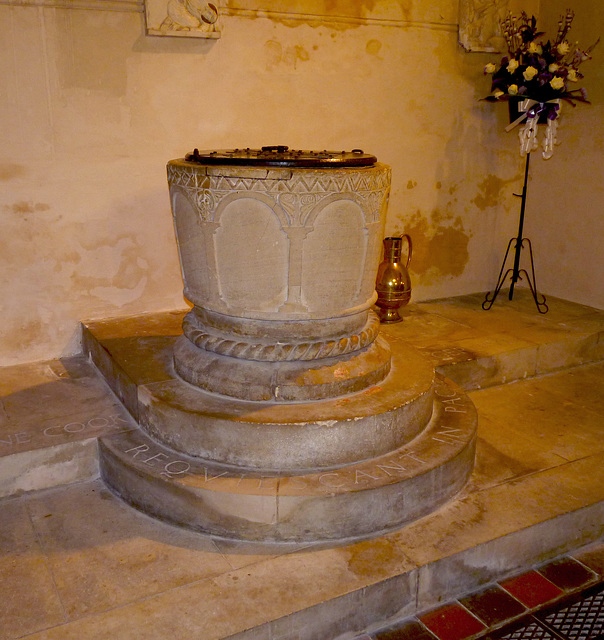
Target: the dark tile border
(531, 597)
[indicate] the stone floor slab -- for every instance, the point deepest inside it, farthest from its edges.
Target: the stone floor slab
(370, 578)
(501, 457)
(68, 401)
(50, 467)
(467, 343)
(524, 505)
(24, 376)
(49, 430)
(556, 422)
(101, 557)
(30, 600)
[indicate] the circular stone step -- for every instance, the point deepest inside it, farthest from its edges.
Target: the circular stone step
(297, 381)
(347, 503)
(293, 437)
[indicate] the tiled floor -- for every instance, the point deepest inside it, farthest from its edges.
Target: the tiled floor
(564, 597)
(76, 563)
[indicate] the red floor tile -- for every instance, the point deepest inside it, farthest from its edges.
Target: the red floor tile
(532, 589)
(568, 574)
(593, 557)
(452, 622)
(493, 605)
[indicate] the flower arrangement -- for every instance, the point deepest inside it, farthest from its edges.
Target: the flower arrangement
(534, 69)
(540, 73)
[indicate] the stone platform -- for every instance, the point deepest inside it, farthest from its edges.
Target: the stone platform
(268, 436)
(338, 469)
(344, 503)
(78, 563)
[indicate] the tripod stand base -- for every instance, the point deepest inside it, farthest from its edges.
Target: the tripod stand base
(516, 275)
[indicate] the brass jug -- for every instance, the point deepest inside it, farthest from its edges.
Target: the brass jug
(393, 285)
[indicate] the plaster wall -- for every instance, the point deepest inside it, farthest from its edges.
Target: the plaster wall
(92, 108)
(565, 207)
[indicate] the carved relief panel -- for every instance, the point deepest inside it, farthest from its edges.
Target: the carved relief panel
(183, 18)
(479, 21)
(287, 243)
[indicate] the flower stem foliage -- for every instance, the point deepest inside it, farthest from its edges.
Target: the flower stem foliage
(537, 70)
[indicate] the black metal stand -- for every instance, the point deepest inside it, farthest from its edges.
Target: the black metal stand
(516, 272)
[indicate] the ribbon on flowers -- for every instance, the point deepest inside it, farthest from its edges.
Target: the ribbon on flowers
(551, 107)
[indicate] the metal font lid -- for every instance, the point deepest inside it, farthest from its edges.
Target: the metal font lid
(281, 156)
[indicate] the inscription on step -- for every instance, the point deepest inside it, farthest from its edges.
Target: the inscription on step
(392, 467)
(451, 400)
(452, 429)
(56, 433)
(169, 468)
(174, 468)
(448, 436)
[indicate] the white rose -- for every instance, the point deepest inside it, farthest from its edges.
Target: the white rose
(529, 73)
(512, 66)
(498, 93)
(553, 67)
(490, 68)
(572, 75)
(513, 89)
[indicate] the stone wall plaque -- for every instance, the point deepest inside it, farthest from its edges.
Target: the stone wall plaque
(182, 18)
(479, 21)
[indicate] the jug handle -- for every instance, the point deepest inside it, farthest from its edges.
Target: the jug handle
(405, 236)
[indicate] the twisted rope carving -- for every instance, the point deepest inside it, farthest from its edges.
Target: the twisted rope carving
(278, 352)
